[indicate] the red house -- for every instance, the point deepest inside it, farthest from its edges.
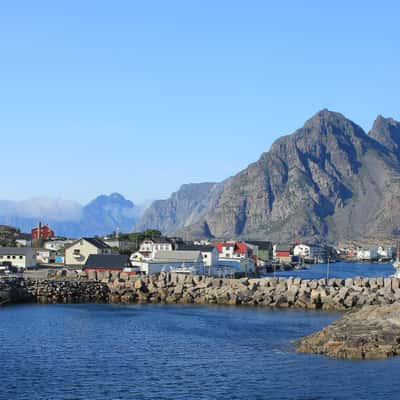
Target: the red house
(42, 232)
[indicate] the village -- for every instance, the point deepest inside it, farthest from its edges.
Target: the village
(151, 253)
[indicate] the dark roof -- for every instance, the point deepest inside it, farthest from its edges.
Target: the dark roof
(107, 261)
(158, 239)
(97, 242)
(194, 247)
(262, 245)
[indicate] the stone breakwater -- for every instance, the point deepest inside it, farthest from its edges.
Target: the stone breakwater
(336, 294)
(18, 290)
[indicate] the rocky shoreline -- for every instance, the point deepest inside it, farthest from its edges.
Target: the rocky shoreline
(370, 333)
(370, 330)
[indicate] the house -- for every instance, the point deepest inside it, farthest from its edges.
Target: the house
(263, 251)
(238, 250)
(209, 254)
(370, 254)
(42, 232)
(235, 258)
(311, 253)
(283, 253)
(235, 266)
(23, 257)
(78, 252)
(149, 247)
(187, 262)
(107, 262)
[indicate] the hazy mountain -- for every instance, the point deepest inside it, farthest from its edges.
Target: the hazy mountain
(101, 216)
(328, 179)
(184, 208)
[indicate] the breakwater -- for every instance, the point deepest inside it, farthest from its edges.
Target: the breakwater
(336, 294)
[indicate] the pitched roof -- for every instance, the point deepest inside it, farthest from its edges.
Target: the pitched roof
(177, 256)
(97, 243)
(238, 247)
(107, 261)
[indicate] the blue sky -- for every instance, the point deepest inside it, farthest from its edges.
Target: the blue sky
(140, 97)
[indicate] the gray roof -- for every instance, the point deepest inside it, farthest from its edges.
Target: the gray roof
(94, 241)
(107, 261)
(177, 255)
(195, 247)
(16, 251)
(97, 242)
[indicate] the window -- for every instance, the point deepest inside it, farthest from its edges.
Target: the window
(21, 257)
(13, 257)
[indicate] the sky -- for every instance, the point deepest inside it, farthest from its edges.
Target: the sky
(139, 97)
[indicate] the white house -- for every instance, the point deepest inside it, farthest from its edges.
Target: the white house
(209, 254)
(78, 252)
(20, 257)
(310, 252)
(188, 262)
(367, 254)
(149, 247)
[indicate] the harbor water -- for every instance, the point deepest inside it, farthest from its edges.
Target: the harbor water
(341, 270)
(98, 352)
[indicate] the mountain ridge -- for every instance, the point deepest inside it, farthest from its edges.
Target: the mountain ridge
(329, 180)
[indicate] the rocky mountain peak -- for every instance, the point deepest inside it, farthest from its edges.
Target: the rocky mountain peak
(386, 131)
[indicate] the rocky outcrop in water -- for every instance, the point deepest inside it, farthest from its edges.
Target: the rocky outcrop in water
(370, 333)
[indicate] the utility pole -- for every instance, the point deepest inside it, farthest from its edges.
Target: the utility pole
(327, 270)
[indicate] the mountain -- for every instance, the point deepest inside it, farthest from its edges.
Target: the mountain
(184, 208)
(328, 180)
(387, 132)
(99, 217)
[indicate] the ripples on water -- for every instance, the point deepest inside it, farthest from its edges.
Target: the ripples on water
(175, 352)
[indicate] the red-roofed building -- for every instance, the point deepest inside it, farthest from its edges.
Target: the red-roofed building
(42, 232)
(236, 257)
(233, 249)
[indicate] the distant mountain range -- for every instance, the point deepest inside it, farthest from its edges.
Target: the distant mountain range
(101, 216)
(328, 180)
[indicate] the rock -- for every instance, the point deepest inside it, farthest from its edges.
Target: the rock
(370, 333)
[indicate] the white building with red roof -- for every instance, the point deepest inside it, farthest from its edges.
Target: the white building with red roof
(236, 257)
